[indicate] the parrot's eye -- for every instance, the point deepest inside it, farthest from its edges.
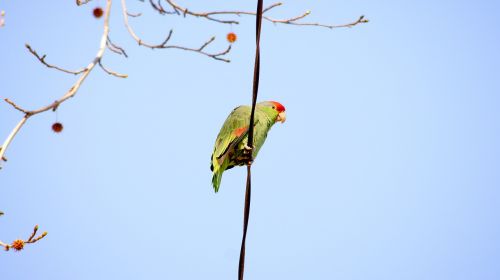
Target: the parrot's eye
(274, 107)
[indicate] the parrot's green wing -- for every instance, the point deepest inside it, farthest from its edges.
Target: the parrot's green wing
(235, 126)
(233, 131)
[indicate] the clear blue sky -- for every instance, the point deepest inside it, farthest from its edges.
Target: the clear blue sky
(387, 167)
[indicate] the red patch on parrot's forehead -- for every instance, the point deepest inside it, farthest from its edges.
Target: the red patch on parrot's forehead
(280, 108)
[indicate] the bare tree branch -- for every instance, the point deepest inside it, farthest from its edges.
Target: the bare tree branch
(112, 72)
(82, 2)
(293, 21)
(11, 136)
(115, 48)
(70, 93)
(164, 44)
(159, 8)
(134, 15)
(42, 60)
(360, 20)
(17, 107)
(209, 15)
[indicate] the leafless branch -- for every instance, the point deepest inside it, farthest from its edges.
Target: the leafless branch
(70, 93)
(115, 48)
(19, 244)
(134, 15)
(112, 72)
(206, 43)
(17, 107)
(159, 8)
(42, 60)
(164, 44)
(184, 11)
(293, 21)
(360, 20)
(82, 2)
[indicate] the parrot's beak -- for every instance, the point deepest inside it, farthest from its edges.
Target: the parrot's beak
(281, 117)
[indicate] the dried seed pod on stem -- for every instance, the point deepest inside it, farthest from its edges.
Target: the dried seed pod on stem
(19, 244)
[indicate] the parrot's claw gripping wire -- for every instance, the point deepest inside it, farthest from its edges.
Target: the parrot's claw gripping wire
(246, 157)
(247, 149)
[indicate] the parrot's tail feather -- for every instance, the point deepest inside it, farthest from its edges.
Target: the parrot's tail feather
(216, 179)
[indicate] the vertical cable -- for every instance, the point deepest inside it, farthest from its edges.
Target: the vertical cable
(248, 192)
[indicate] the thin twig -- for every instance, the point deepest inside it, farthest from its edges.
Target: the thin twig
(33, 234)
(164, 44)
(82, 2)
(209, 15)
(360, 20)
(111, 72)
(206, 43)
(17, 107)
(70, 93)
(134, 15)
(159, 8)
(293, 20)
(115, 48)
(42, 60)
(11, 136)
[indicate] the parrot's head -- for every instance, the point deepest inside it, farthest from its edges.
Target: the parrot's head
(276, 109)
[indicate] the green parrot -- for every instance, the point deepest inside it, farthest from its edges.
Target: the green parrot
(231, 147)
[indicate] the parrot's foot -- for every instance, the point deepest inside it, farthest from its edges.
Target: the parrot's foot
(247, 149)
(246, 157)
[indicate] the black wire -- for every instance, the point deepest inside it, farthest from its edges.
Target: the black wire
(248, 192)
(256, 71)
